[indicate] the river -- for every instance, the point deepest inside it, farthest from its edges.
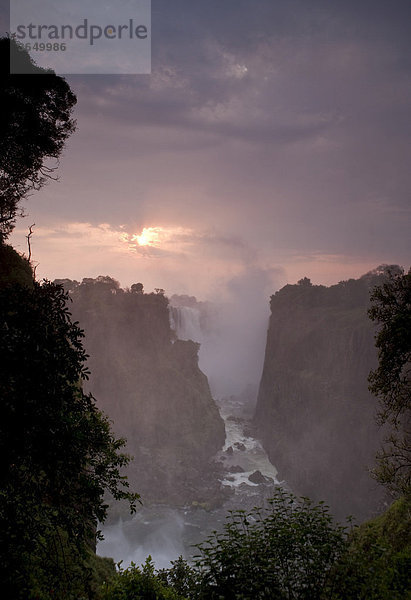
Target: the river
(166, 532)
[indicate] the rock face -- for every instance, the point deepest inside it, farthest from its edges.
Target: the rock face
(152, 389)
(314, 413)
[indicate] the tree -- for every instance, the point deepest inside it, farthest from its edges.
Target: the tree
(58, 455)
(14, 268)
(35, 122)
(137, 288)
(285, 550)
(390, 382)
(305, 282)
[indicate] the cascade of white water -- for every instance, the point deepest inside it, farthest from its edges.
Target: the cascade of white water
(185, 320)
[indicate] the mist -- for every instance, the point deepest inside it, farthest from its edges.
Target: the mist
(156, 535)
(233, 341)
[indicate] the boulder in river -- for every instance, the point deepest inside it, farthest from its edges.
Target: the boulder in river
(240, 446)
(236, 469)
(258, 477)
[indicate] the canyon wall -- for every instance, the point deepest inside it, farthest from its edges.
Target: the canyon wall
(151, 387)
(314, 413)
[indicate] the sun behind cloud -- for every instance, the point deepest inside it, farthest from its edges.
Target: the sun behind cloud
(150, 236)
(159, 237)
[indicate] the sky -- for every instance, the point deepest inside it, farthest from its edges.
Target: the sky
(270, 142)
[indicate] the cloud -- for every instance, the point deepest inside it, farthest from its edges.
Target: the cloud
(170, 257)
(267, 130)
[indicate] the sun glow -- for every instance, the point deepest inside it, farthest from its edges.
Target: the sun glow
(153, 241)
(150, 236)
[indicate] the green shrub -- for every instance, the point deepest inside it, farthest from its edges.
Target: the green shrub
(289, 550)
(284, 551)
(183, 578)
(137, 583)
(377, 564)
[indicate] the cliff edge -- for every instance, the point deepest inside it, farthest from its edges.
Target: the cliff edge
(314, 413)
(152, 388)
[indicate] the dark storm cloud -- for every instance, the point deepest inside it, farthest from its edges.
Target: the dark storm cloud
(327, 72)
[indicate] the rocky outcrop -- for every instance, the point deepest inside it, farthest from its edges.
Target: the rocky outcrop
(151, 386)
(314, 413)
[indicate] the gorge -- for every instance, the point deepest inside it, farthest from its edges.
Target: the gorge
(314, 413)
(197, 453)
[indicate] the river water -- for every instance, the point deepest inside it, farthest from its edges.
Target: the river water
(166, 532)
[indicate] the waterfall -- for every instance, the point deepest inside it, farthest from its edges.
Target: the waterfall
(186, 322)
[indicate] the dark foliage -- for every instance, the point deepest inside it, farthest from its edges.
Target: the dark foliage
(14, 268)
(35, 122)
(377, 563)
(57, 453)
(138, 583)
(289, 550)
(284, 551)
(391, 381)
(182, 578)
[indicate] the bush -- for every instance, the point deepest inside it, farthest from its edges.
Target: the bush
(183, 578)
(290, 549)
(377, 564)
(285, 550)
(137, 583)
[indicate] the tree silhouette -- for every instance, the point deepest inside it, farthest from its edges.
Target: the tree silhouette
(35, 122)
(391, 381)
(58, 455)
